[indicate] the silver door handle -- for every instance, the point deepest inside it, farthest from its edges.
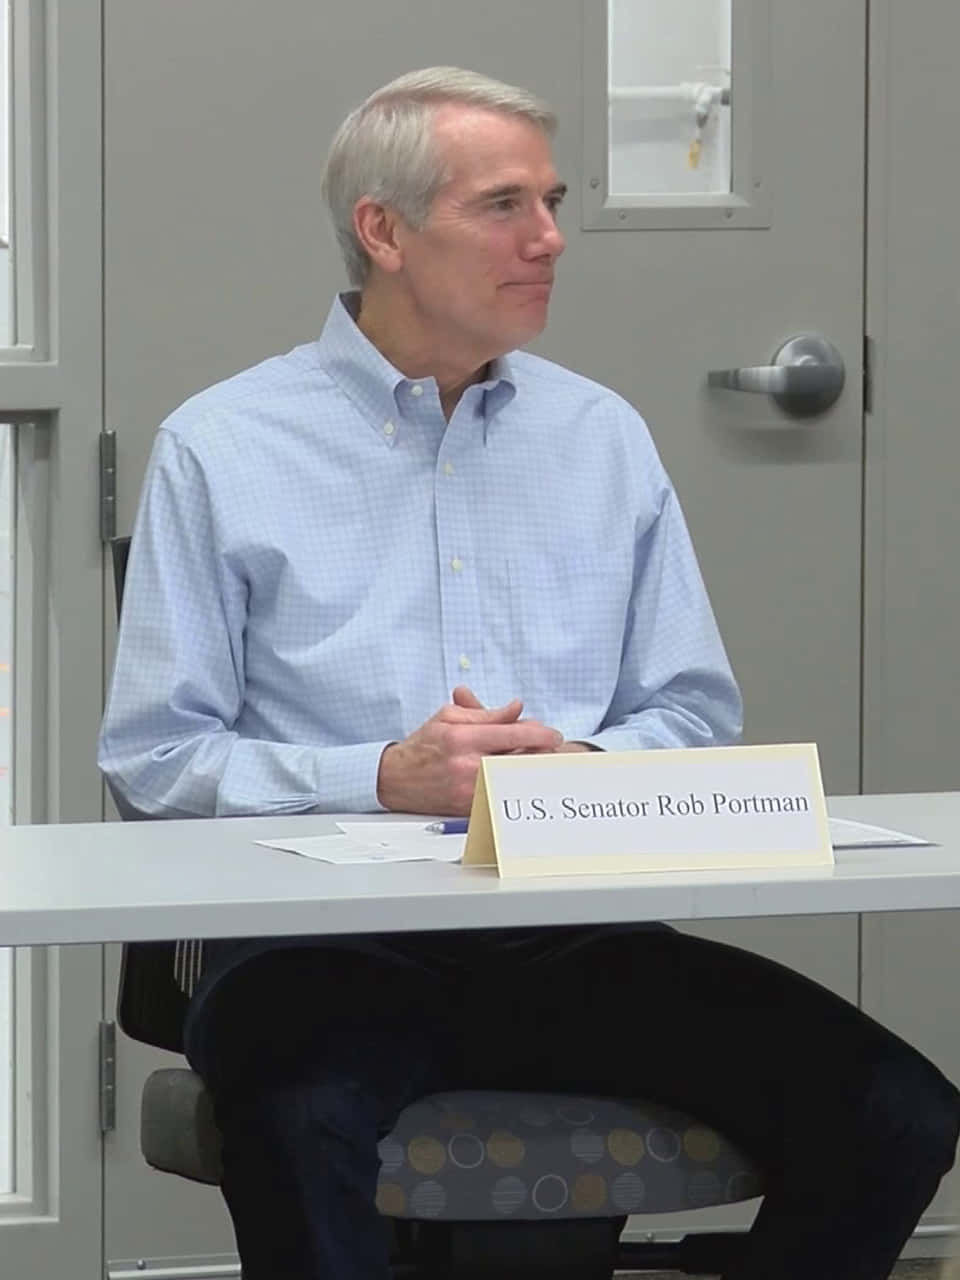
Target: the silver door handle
(806, 376)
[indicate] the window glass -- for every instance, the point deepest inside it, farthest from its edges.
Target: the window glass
(6, 283)
(669, 70)
(6, 610)
(6, 793)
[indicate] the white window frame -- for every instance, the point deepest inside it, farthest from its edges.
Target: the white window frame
(51, 389)
(748, 203)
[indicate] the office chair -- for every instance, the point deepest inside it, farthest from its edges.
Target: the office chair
(476, 1184)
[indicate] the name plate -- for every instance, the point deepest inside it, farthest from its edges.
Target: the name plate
(607, 812)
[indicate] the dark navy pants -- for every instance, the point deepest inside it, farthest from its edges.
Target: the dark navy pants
(311, 1052)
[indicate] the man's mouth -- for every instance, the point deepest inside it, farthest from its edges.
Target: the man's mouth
(538, 287)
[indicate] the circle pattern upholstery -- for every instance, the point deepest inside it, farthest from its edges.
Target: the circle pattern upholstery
(481, 1155)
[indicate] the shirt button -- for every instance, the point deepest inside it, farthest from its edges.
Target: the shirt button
(456, 564)
(448, 468)
(464, 662)
(416, 389)
(388, 428)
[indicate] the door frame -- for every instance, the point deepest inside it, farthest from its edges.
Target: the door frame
(51, 389)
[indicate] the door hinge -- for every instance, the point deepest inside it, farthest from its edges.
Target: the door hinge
(108, 1076)
(108, 485)
(869, 360)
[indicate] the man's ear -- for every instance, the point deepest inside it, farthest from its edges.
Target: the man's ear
(375, 226)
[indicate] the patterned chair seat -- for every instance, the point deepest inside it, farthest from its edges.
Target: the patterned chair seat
(488, 1156)
(477, 1156)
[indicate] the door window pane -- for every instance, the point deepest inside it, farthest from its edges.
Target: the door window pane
(6, 624)
(669, 64)
(6, 1071)
(6, 607)
(6, 291)
(6, 793)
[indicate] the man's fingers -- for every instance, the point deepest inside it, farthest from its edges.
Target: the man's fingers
(522, 735)
(468, 709)
(464, 697)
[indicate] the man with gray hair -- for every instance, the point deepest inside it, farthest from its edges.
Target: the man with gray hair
(362, 566)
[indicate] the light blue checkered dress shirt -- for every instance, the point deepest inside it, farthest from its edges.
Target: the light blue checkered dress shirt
(319, 558)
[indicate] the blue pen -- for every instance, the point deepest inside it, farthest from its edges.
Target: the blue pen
(451, 827)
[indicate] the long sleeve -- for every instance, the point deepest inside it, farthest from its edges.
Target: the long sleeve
(168, 745)
(675, 688)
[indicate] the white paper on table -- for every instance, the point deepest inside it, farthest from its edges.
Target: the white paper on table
(414, 839)
(370, 842)
(338, 849)
(349, 848)
(859, 835)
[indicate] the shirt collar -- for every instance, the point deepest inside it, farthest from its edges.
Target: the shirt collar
(376, 387)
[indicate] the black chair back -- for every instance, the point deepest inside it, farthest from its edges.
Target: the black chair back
(150, 1005)
(120, 554)
(151, 1002)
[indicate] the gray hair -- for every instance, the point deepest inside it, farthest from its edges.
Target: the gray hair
(385, 148)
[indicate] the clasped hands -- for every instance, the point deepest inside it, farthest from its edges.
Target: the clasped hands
(434, 770)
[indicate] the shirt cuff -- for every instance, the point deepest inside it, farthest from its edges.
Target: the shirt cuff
(348, 778)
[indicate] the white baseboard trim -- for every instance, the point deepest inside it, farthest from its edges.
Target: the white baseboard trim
(210, 1267)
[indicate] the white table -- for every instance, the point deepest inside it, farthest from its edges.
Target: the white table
(125, 882)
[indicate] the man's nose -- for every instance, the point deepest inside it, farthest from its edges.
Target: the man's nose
(547, 238)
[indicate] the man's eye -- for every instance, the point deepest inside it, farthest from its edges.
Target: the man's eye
(506, 205)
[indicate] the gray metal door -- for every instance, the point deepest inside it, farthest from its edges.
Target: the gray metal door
(217, 120)
(912, 613)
